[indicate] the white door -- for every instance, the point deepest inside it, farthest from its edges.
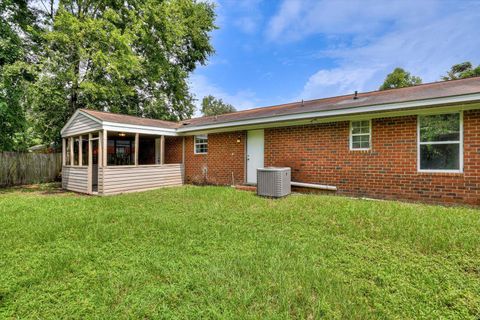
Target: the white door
(254, 154)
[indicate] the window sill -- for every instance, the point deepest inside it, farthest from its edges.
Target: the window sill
(441, 172)
(361, 150)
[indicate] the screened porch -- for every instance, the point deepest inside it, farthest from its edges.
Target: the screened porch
(109, 162)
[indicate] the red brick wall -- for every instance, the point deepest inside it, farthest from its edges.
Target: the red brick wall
(173, 149)
(320, 154)
(225, 156)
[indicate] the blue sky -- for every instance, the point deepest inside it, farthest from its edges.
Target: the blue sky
(277, 51)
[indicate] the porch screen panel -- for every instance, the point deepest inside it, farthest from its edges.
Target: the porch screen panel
(146, 150)
(120, 149)
(76, 142)
(85, 143)
(67, 153)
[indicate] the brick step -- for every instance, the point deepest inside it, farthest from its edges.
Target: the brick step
(246, 187)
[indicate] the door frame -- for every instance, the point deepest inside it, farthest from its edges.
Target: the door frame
(246, 155)
(91, 139)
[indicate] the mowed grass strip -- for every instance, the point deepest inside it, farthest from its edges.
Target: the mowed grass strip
(215, 252)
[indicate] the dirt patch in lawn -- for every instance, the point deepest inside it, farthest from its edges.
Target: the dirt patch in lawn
(54, 188)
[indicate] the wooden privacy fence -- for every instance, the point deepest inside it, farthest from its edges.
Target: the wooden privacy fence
(18, 168)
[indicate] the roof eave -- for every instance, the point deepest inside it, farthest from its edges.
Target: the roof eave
(409, 105)
(119, 126)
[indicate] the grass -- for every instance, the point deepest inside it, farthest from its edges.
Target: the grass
(214, 252)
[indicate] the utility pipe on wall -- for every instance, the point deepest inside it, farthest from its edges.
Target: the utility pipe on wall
(314, 186)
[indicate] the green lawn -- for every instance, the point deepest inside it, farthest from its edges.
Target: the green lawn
(215, 252)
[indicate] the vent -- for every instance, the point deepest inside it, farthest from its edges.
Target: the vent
(273, 182)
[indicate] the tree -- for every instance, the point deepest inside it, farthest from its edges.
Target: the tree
(400, 78)
(212, 106)
(130, 57)
(19, 42)
(461, 71)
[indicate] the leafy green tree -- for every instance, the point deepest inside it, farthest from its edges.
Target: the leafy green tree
(130, 57)
(461, 71)
(212, 106)
(400, 78)
(19, 42)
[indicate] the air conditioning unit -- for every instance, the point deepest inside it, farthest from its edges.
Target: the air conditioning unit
(273, 182)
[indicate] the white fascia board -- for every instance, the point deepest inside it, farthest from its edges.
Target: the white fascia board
(341, 112)
(122, 127)
(353, 117)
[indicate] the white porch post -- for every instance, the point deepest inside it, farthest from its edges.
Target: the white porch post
(100, 149)
(137, 138)
(90, 163)
(80, 160)
(90, 150)
(64, 152)
(70, 142)
(162, 150)
(104, 145)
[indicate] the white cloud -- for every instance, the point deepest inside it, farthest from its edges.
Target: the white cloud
(248, 24)
(362, 42)
(200, 86)
(424, 45)
(244, 15)
(335, 82)
(297, 19)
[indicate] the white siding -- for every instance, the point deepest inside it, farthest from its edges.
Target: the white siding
(81, 124)
(130, 178)
(75, 178)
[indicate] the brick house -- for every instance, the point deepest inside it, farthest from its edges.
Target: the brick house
(420, 143)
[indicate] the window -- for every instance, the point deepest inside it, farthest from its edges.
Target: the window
(360, 135)
(201, 144)
(440, 142)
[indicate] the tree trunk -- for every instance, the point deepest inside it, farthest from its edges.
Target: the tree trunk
(74, 93)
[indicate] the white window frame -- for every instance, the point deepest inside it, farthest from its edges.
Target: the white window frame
(195, 143)
(460, 142)
(360, 134)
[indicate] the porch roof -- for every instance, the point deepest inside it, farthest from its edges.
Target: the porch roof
(133, 120)
(84, 121)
